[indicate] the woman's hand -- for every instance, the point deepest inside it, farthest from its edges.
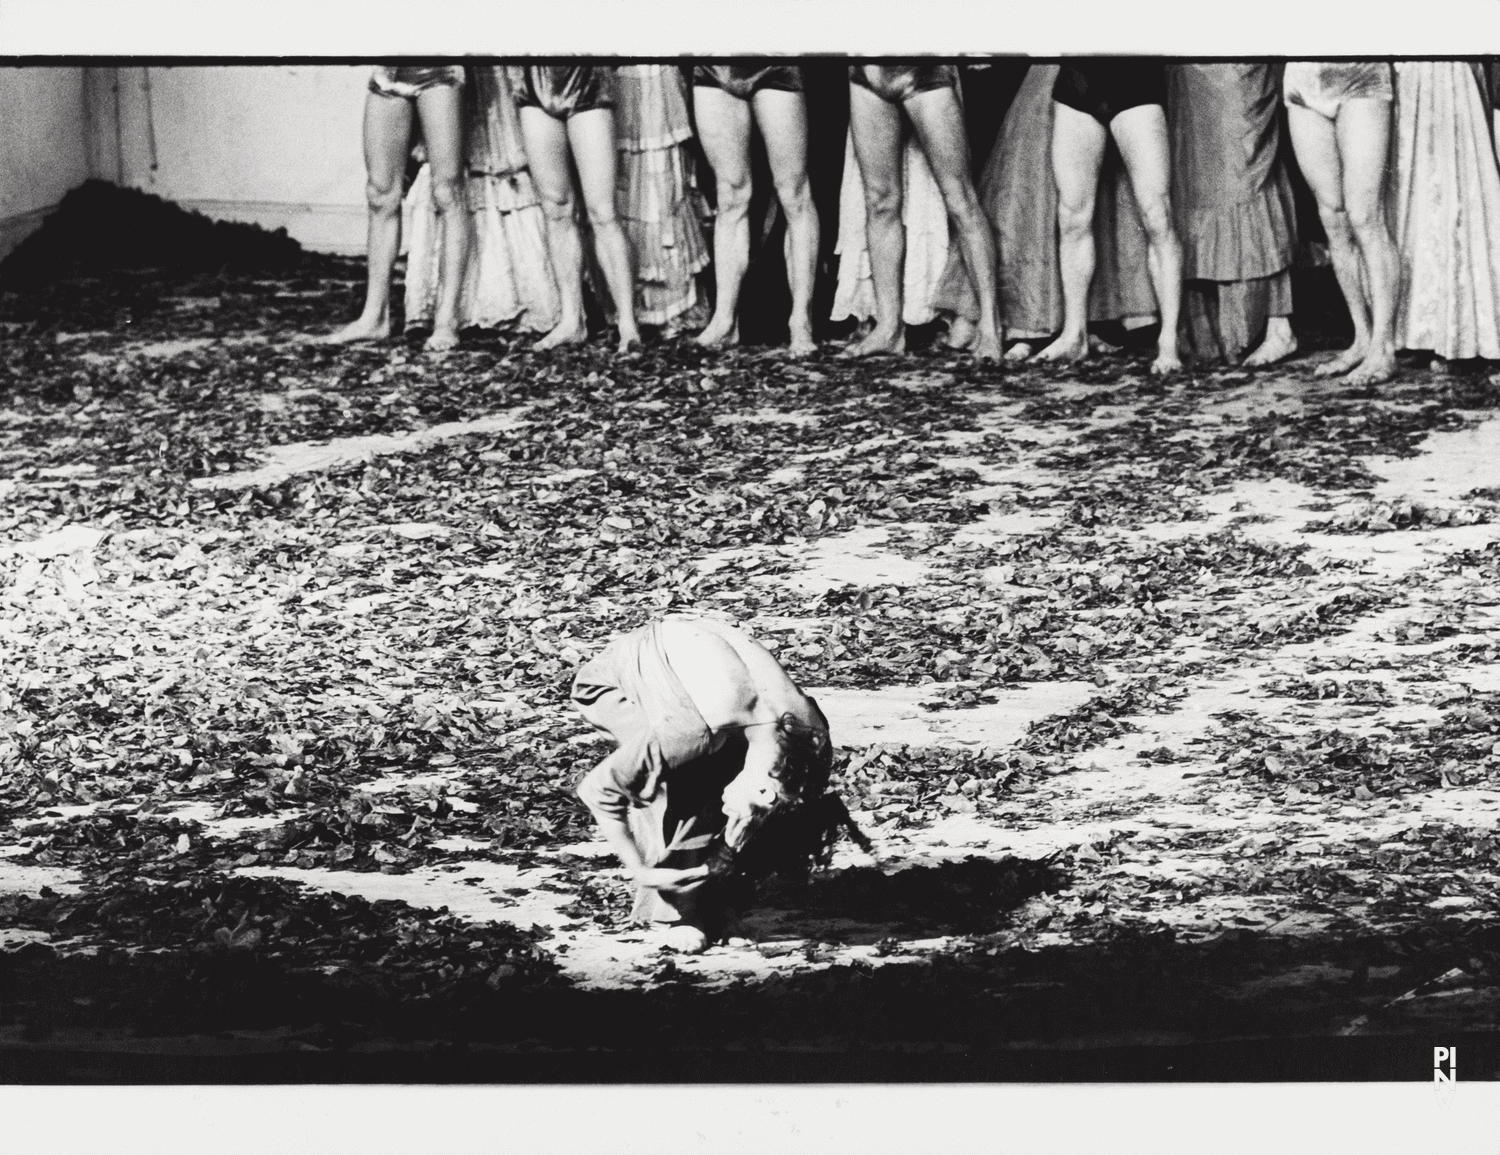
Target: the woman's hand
(667, 879)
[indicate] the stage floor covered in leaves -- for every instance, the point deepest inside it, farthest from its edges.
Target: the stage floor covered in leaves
(1171, 706)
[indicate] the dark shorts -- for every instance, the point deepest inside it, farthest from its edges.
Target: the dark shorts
(408, 81)
(744, 80)
(900, 82)
(1105, 88)
(563, 90)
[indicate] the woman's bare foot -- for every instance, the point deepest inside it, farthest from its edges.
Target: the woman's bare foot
(961, 333)
(721, 333)
(376, 328)
(1167, 361)
(629, 339)
(444, 337)
(1021, 351)
(1375, 368)
(988, 345)
(684, 939)
(879, 342)
(568, 331)
(1279, 344)
(1343, 363)
(1068, 347)
(802, 343)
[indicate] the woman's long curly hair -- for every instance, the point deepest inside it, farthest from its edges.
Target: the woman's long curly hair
(800, 831)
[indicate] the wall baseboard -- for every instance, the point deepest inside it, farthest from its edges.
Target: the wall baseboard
(322, 228)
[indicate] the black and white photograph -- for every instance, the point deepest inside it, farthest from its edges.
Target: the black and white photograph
(726, 568)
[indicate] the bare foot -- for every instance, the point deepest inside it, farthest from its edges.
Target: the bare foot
(569, 331)
(629, 339)
(1279, 344)
(1068, 347)
(878, 342)
(1344, 362)
(1100, 345)
(1375, 368)
(988, 346)
(684, 939)
(961, 333)
(377, 328)
(1167, 361)
(443, 338)
(1021, 351)
(802, 343)
(720, 334)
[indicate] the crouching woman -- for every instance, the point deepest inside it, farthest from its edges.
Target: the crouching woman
(716, 748)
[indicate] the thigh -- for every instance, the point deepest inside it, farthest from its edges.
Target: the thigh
(546, 140)
(387, 138)
(782, 116)
(440, 111)
(1363, 131)
(876, 127)
(1317, 147)
(592, 137)
(1078, 142)
(939, 122)
(1141, 133)
(724, 131)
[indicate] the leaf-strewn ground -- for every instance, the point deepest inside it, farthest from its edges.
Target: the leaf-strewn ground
(1173, 707)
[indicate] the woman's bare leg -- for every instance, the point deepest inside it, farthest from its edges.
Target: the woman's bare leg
(1317, 148)
(1141, 133)
(1078, 142)
(724, 126)
(876, 127)
(1363, 130)
(440, 111)
(782, 117)
(546, 141)
(387, 137)
(592, 137)
(939, 122)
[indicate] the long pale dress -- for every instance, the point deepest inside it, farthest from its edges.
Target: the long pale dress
(926, 223)
(509, 274)
(1446, 210)
(657, 193)
(1233, 203)
(1019, 195)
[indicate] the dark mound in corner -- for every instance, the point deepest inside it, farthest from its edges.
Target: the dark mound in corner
(99, 227)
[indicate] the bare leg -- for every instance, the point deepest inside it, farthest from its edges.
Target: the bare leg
(939, 122)
(440, 111)
(876, 125)
(1364, 133)
(387, 136)
(1317, 149)
(724, 128)
(1278, 344)
(546, 141)
(592, 136)
(1078, 142)
(961, 332)
(782, 117)
(1141, 133)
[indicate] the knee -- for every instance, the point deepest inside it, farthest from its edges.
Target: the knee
(733, 196)
(557, 206)
(882, 200)
(602, 215)
(795, 196)
(1335, 220)
(447, 194)
(1366, 221)
(383, 199)
(1075, 220)
(1156, 218)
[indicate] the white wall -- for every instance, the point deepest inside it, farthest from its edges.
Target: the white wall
(276, 145)
(41, 146)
